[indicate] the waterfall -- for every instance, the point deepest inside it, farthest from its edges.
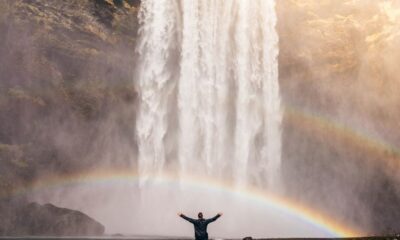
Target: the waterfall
(209, 101)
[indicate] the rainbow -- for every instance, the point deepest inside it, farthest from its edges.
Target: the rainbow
(312, 217)
(317, 125)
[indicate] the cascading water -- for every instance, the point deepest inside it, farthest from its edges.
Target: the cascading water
(208, 132)
(209, 106)
(209, 95)
(207, 125)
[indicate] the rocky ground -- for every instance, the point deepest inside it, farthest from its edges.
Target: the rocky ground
(159, 238)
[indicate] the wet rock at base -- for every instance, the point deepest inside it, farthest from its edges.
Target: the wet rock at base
(48, 220)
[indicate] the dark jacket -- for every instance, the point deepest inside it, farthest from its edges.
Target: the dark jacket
(200, 226)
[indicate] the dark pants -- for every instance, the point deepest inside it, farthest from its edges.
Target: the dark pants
(202, 237)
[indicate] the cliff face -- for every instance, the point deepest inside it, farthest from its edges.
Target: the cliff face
(344, 47)
(66, 70)
(340, 86)
(65, 93)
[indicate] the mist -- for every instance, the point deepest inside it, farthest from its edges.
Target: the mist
(69, 104)
(336, 67)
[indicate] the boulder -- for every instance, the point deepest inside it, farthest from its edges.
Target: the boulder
(48, 220)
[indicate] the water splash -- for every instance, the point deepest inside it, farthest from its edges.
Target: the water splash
(209, 100)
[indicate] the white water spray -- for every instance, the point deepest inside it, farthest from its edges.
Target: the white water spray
(209, 100)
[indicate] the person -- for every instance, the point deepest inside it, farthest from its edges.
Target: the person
(200, 225)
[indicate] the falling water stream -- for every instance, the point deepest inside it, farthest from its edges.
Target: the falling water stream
(209, 108)
(209, 103)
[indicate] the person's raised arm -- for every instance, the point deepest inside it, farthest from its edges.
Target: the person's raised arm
(186, 218)
(214, 218)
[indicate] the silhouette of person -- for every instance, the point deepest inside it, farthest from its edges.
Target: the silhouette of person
(200, 225)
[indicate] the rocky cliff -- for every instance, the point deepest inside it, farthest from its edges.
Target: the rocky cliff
(340, 82)
(64, 66)
(65, 93)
